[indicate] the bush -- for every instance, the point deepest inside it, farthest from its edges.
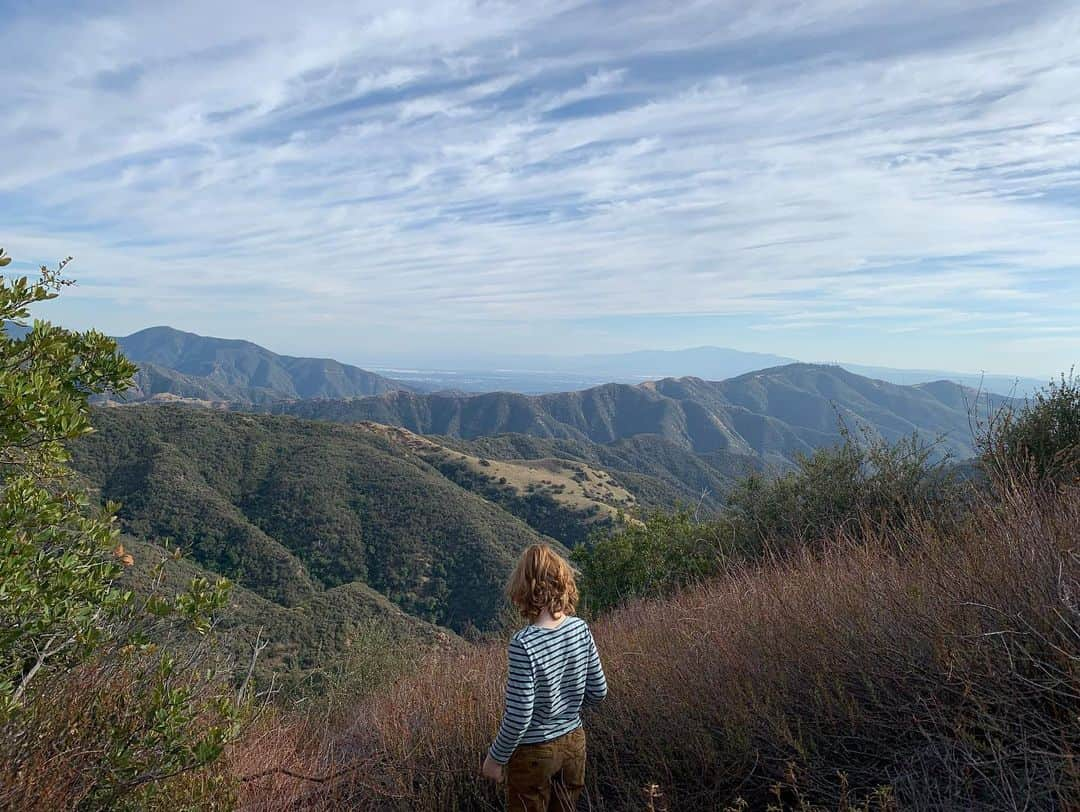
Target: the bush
(841, 489)
(649, 558)
(1040, 440)
(372, 657)
(833, 490)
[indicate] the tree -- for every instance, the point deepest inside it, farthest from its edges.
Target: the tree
(62, 610)
(834, 492)
(649, 558)
(57, 577)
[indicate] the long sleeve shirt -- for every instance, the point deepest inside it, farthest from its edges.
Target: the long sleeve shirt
(553, 673)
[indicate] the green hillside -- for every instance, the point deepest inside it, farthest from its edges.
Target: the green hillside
(293, 510)
(298, 638)
(326, 527)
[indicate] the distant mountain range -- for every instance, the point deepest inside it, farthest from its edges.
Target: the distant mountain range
(539, 374)
(176, 365)
(770, 415)
(765, 415)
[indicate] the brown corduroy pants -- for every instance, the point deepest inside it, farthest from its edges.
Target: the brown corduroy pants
(547, 777)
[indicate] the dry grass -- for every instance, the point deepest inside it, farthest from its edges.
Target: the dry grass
(96, 737)
(575, 485)
(945, 669)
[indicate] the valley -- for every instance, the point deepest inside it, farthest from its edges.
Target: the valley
(409, 508)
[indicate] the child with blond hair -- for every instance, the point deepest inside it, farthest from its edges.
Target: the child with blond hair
(554, 671)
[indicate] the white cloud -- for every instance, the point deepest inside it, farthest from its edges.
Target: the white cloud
(459, 161)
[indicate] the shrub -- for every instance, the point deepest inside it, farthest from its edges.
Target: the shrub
(374, 655)
(649, 558)
(834, 490)
(840, 489)
(1041, 439)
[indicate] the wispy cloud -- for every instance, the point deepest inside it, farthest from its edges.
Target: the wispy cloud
(438, 169)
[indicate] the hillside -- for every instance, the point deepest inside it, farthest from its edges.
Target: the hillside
(299, 638)
(303, 514)
(174, 364)
(771, 415)
(659, 473)
(566, 499)
(324, 527)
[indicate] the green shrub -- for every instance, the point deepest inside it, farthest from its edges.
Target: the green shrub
(637, 559)
(1041, 439)
(834, 490)
(841, 489)
(373, 657)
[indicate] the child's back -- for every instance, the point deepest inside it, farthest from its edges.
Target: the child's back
(554, 671)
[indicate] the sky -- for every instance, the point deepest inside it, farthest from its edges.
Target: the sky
(884, 182)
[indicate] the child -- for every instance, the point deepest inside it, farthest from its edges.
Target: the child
(554, 671)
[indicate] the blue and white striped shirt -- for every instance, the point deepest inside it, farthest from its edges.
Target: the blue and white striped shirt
(553, 673)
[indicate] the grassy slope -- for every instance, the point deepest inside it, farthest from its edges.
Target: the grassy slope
(946, 674)
(659, 473)
(562, 498)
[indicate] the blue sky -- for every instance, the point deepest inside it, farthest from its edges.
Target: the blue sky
(882, 182)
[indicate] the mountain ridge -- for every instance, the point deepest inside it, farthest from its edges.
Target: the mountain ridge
(179, 363)
(772, 414)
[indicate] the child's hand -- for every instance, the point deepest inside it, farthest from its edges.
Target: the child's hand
(492, 770)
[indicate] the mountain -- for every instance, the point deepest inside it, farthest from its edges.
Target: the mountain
(324, 527)
(301, 513)
(771, 415)
(717, 363)
(175, 364)
(541, 374)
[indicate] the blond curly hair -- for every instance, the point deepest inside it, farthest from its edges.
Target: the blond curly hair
(542, 579)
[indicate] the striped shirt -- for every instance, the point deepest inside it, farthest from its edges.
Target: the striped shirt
(553, 673)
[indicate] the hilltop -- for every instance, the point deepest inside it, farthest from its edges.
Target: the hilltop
(177, 365)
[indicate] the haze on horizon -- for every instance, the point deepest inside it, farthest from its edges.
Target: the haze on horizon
(862, 181)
